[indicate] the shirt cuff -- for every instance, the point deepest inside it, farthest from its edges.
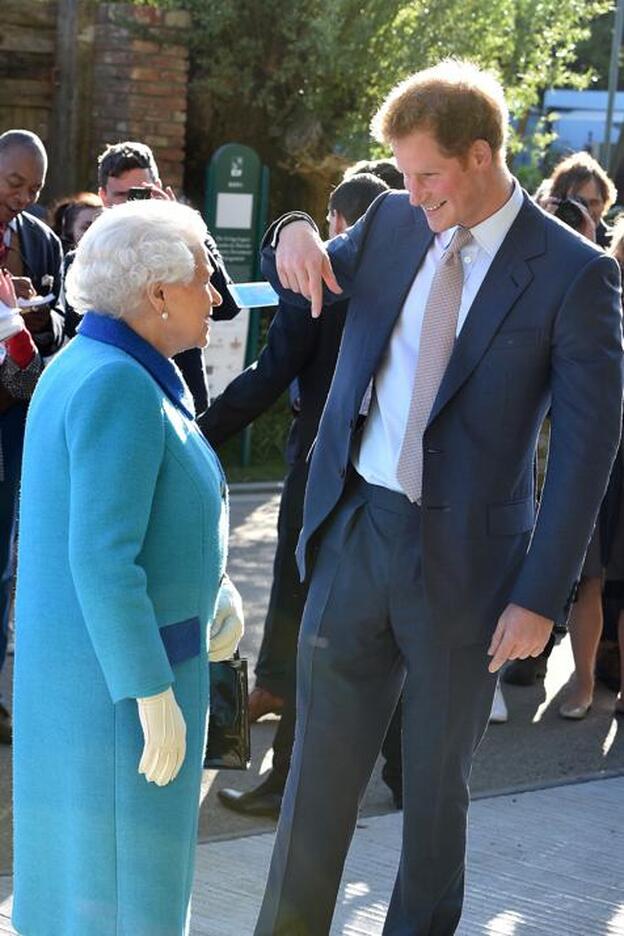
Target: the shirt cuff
(288, 219)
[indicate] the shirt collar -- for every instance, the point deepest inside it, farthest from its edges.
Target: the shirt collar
(490, 234)
(116, 332)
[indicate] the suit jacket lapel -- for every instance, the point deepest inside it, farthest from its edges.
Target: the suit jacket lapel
(29, 249)
(508, 277)
(406, 251)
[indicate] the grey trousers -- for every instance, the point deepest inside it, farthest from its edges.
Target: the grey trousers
(364, 638)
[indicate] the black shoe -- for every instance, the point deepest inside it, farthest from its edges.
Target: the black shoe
(265, 800)
(525, 672)
(6, 726)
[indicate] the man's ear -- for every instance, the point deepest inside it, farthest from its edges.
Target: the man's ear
(481, 153)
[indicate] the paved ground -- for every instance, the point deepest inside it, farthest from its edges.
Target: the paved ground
(545, 863)
(535, 749)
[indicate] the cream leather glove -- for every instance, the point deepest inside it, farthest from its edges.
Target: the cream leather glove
(164, 733)
(228, 624)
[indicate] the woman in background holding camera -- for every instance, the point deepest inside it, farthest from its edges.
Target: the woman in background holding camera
(119, 571)
(580, 193)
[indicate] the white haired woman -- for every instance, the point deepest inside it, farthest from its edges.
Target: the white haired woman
(119, 573)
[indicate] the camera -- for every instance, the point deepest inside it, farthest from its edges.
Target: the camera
(139, 193)
(570, 211)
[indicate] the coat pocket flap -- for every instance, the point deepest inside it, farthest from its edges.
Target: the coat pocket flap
(509, 519)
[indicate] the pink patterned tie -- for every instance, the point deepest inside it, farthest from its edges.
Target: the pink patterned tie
(437, 338)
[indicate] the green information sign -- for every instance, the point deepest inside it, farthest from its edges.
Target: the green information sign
(236, 207)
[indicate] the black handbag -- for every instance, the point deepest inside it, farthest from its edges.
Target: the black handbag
(229, 742)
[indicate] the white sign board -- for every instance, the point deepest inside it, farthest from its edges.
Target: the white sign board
(225, 354)
(234, 210)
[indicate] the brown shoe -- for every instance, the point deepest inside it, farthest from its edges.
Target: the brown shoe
(262, 702)
(6, 726)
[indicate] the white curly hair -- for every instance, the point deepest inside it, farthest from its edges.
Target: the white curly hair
(128, 248)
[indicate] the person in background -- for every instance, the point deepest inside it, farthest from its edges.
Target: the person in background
(131, 164)
(303, 352)
(581, 176)
(57, 213)
(614, 517)
(384, 169)
(120, 568)
(77, 219)
(20, 366)
(32, 255)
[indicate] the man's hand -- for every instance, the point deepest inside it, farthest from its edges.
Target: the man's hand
(166, 194)
(588, 228)
(519, 634)
(303, 264)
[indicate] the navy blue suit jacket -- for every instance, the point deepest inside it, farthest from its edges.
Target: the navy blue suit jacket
(42, 255)
(544, 331)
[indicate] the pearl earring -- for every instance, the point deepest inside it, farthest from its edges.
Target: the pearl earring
(164, 315)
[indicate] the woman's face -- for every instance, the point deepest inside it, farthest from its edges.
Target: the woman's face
(189, 307)
(592, 196)
(83, 221)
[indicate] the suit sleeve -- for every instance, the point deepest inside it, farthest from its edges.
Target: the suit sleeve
(586, 422)
(50, 341)
(115, 436)
(344, 251)
(291, 341)
(220, 280)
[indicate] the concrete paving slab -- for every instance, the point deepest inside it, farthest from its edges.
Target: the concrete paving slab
(541, 863)
(535, 748)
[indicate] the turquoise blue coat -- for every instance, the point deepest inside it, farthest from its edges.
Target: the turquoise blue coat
(123, 531)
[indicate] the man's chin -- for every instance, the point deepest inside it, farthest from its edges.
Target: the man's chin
(439, 220)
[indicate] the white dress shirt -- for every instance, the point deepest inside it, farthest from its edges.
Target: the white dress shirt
(376, 460)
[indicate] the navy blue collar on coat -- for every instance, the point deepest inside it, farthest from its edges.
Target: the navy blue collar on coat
(115, 332)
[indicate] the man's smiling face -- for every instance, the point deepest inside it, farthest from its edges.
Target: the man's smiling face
(447, 188)
(22, 175)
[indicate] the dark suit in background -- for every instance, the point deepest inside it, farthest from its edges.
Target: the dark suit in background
(303, 349)
(408, 596)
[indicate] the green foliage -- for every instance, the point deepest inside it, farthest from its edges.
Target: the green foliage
(594, 53)
(300, 80)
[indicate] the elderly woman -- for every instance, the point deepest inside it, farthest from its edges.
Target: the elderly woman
(122, 552)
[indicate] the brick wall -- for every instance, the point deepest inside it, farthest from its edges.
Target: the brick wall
(140, 71)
